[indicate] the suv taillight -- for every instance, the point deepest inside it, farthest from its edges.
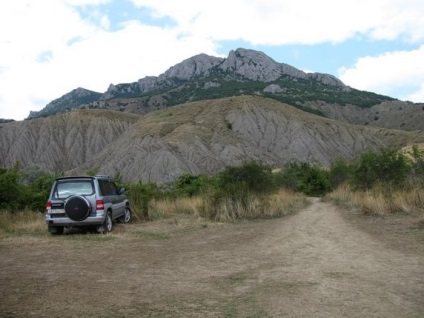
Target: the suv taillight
(48, 207)
(100, 205)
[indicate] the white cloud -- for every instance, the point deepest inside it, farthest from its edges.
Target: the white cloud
(417, 96)
(48, 49)
(388, 72)
(274, 22)
(46, 55)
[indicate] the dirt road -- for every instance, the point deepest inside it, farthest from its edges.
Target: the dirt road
(315, 263)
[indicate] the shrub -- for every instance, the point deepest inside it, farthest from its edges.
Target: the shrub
(10, 189)
(251, 177)
(190, 185)
(236, 188)
(305, 177)
(389, 168)
(20, 189)
(140, 195)
(340, 172)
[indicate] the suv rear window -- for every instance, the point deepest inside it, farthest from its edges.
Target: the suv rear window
(66, 188)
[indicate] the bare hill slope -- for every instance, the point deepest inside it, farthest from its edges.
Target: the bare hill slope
(199, 138)
(389, 114)
(205, 136)
(61, 142)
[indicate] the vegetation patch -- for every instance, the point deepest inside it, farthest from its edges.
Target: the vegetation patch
(383, 182)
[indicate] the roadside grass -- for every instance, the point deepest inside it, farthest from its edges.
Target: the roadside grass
(167, 208)
(378, 202)
(281, 203)
(181, 212)
(22, 222)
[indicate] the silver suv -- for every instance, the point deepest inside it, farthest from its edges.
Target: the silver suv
(86, 201)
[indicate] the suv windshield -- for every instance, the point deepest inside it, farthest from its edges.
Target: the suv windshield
(66, 188)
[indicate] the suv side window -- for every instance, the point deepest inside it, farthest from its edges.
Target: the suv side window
(104, 187)
(113, 188)
(107, 187)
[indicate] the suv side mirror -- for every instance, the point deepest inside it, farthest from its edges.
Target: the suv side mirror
(122, 190)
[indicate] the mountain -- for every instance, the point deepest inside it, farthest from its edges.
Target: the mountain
(206, 113)
(201, 77)
(67, 102)
(199, 138)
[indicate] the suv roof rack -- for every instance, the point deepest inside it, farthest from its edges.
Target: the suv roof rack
(102, 176)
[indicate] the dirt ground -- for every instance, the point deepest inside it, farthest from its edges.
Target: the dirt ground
(319, 262)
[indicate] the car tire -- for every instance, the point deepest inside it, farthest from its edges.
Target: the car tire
(127, 217)
(77, 208)
(107, 225)
(56, 230)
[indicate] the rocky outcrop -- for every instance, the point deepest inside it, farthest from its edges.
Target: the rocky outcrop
(328, 79)
(199, 65)
(257, 66)
(244, 64)
(274, 89)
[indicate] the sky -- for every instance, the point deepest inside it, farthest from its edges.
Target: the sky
(50, 47)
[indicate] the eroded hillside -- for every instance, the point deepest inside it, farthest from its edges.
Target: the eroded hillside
(203, 137)
(61, 142)
(199, 138)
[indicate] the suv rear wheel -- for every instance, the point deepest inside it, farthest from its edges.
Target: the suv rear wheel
(56, 230)
(107, 225)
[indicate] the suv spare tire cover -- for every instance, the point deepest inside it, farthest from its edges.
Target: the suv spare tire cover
(77, 208)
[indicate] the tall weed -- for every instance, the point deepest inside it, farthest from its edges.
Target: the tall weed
(376, 201)
(25, 221)
(278, 204)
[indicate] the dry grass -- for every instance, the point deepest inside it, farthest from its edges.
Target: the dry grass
(167, 208)
(379, 203)
(23, 222)
(279, 204)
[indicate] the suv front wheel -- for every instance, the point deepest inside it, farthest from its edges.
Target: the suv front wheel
(127, 217)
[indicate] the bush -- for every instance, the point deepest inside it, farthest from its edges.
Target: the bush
(237, 187)
(340, 172)
(251, 177)
(305, 177)
(140, 195)
(190, 185)
(389, 168)
(11, 194)
(20, 189)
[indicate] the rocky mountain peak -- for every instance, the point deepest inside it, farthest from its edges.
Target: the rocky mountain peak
(258, 66)
(241, 66)
(198, 65)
